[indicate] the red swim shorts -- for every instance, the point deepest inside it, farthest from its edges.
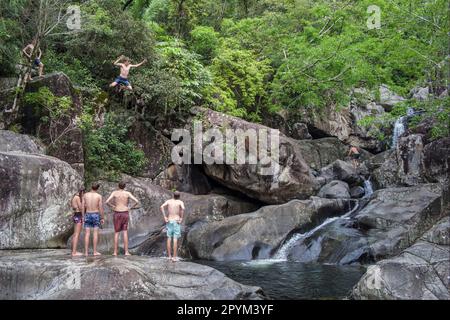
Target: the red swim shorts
(121, 221)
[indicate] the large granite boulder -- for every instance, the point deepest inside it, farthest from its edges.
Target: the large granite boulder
(343, 122)
(293, 180)
(420, 272)
(392, 220)
(14, 142)
(414, 162)
(188, 178)
(341, 170)
(319, 153)
(35, 198)
(335, 190)
(64, 139)
(387, 98)
(156, 147)
(258, 234)
(54, 275)
(146, 228)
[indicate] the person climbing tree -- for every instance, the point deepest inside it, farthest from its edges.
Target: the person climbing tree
(28, 51)
(124, 71)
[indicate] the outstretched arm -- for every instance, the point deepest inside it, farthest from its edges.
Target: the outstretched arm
(39, 53)
(140, 64)
(116, 63)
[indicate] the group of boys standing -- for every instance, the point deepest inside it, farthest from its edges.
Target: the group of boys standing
(88, 211)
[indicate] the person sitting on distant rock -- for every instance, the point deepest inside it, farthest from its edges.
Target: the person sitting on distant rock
(92, 209)
(354, 153)
(77, 206)
(124, 71)
(175, 208)
(28, 52)
(121, 215)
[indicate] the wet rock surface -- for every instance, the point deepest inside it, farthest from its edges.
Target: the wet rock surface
(54, 275)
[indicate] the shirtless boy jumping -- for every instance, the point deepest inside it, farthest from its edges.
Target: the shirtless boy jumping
(124, 71)
(175, 208)
(121, 215)
(92, 210)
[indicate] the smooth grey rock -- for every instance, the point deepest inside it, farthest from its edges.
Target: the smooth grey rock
(300, 131)
(341, 170)
(392, 221)
(15, 142)
(256, 235)
(54, 275)
(35, 196)
(293, 180)
(357, 192)
(421, 272)
(335, 190)
(388, 98)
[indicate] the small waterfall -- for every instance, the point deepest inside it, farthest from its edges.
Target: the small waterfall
(400, 126)
(368, 189)
(283, 251)
(399, 129)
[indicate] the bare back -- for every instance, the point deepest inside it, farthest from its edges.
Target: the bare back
(174, 208)
(121, 199)
(93, 202)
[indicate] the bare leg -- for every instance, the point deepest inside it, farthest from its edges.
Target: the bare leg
(116, 243)
(175, 249)
(87, 234)
(125, 243)
(75, 238)
(41, 69)
(95, 242)
(169, 249)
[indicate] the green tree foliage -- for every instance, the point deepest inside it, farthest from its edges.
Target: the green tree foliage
(108, 152)
(239, 83)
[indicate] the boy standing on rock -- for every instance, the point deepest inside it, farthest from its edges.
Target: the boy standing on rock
(121, 215)
(175, 208)
(92, 209)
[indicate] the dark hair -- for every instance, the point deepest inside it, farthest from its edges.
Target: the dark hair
(176, 195)
(81, 192)
(122, 185)
(95, 186)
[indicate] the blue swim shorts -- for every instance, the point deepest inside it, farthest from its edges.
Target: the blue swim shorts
(92, 220)
(122, 81)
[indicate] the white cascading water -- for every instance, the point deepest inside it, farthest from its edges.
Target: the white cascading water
(283, 251)
(399, 129)
(400, 126)
(368, 189)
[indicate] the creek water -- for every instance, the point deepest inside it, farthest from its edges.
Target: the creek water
(293, 280)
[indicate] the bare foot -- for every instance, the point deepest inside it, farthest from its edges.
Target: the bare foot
(76, 254)
(86, 254)
(127, 253)
(115, 254)
(97, 253)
